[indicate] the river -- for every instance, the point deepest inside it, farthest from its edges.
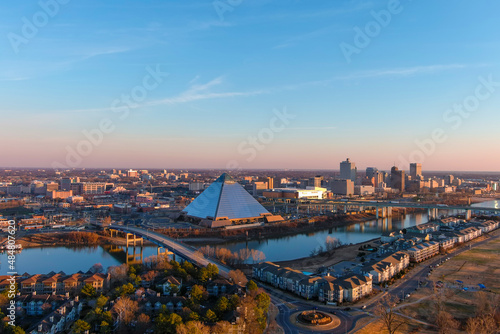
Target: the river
(301, 245)
(489, 204)
(68, 259)
(73, 259)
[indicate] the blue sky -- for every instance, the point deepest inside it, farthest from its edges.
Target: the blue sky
(232, 67)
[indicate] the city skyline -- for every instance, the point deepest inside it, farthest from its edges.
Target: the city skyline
(421, 87)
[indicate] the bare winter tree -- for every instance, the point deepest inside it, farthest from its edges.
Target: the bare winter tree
(386, 311)
(332, 243)
(446, 323)
(221, 327)
(118, 273)
(485, 321)
(125, 310)
(257, 256)
(238, 277)
(474, 326)
(193, 327)
(143, 323)
(97, 268)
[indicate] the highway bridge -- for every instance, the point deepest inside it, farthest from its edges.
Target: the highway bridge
(187, 253)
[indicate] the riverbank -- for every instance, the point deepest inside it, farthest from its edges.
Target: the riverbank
(277, 230)
(214, 237)
(474, 200)
(57, 239)
(343, 253)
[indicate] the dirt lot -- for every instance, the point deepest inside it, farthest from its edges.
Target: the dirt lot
(371, 326)
(480, 265)
(311, 264)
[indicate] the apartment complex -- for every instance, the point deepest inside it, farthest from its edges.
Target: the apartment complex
(388, 267)
(61, 283)
(423, 251)
(325, 288)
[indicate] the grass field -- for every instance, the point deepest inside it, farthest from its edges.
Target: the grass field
(477, 265)
(377, 326)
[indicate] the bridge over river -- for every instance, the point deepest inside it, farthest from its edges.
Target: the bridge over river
(183, 251)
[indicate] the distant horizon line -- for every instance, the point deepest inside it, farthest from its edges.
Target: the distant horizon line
(229, 170)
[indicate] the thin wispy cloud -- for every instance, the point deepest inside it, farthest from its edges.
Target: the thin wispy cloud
(195, 92)
(306, 15)
(404, 71)
(13, 78)
(201, 92)
(297, 39)
(25, 70)
(394, 72)
(204, 91)
(313, 128)
(98, 53)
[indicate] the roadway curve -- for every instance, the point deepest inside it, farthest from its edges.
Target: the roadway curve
(186, 252)
(348, 321)
(284, 304)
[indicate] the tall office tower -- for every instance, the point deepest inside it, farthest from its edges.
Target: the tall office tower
(342, 187)
(415, 170)
(259, 187)
(379, 177)
(348, 170)
(448, 179)
(67, 181)
(315, 181)
(270, 182)
(370, 172)
(131, 173)
(397, 179)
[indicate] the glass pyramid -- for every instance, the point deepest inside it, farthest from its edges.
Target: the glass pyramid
(225, 198)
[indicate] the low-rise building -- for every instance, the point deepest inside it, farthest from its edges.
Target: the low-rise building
(391, 236)
(423, 251)
(309, 287)
(356, 287)
(449, 221)
(59, 320)
(289, 279)
(61, 283)
(330, 291)
(425, 228)
(388, 267)
(486, 226)
(153, 304)
(219, 286)
(326, 288)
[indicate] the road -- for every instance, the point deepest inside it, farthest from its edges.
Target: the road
(284, 304)
(421, 275)
(348, 321)
(184, 251)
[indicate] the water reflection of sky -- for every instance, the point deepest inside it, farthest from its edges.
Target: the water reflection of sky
(297, 246)
(69, 260)
(489, 204)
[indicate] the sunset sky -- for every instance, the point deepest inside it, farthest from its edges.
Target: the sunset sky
(379, 92)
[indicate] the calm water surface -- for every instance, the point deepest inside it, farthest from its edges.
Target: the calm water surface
(68, 259)
(73, 259)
